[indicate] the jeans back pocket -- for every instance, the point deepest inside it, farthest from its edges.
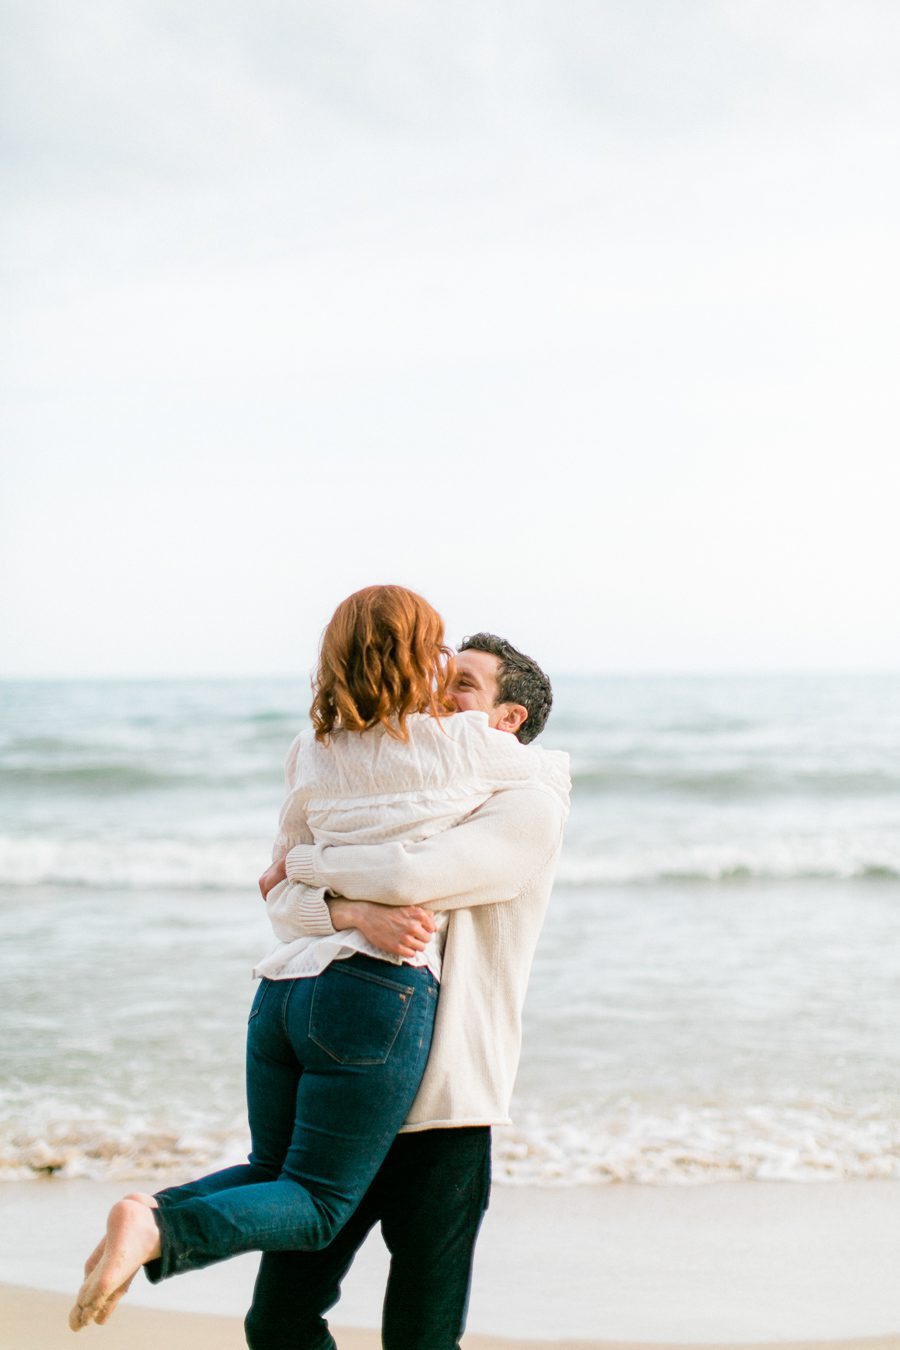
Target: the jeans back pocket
(356, 1016)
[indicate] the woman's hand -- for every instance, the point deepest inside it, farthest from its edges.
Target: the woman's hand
(400, 930)
(270, 879)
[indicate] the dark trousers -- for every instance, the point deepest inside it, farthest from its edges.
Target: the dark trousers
(429, 1195)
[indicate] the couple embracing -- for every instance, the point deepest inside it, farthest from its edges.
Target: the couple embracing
(411, 875)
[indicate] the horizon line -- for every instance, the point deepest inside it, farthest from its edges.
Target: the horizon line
(636, 672)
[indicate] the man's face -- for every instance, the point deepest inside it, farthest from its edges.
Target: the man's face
(474, 686)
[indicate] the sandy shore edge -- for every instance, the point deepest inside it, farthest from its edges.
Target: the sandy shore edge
(32, 1319)
(714, 1266)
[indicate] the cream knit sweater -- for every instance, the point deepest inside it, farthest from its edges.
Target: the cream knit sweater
(370, 787)
(494, 873)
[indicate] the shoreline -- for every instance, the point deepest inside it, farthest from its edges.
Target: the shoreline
(724, 1264)
(33, 1319)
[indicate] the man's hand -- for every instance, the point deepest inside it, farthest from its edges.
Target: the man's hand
(402, 931)
(277, 872)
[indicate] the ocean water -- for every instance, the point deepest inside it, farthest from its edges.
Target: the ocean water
(717, 990)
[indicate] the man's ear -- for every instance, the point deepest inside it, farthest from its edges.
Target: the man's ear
(513, 717)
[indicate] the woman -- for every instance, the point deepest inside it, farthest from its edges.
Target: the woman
(339, 1032)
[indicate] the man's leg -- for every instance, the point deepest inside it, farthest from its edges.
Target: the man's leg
(430, 1194)
(294, 1290)
(434, 1188)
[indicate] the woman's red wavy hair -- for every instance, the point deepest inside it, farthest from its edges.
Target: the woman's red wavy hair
(382, 657)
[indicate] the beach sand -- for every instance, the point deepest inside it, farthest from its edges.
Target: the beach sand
(746, 1264)
(35, 1320)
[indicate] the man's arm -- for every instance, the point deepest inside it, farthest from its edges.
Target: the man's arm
(489, 857)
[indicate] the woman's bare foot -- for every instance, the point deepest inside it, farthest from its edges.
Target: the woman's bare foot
(109, 1306)
(106, 1311)
(144, 1198)
(94, 1256)
(132, 1238)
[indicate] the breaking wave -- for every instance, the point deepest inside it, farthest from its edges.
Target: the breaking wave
(202, 865)
(691, 1146)
(688, 1146)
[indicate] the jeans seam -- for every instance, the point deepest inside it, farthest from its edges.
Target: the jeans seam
(285, 1003)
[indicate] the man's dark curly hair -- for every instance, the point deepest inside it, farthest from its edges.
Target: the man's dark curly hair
(519, 680)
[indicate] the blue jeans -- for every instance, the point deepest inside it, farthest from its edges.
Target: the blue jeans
(333, 1065)
(429, 1196)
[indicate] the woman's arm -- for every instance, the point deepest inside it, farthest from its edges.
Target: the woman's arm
(401, 931)
(293, 827)
(307, 915)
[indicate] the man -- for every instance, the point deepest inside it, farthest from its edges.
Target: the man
(493, 873)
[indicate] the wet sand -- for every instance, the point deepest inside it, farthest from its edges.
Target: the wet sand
(613, 1267)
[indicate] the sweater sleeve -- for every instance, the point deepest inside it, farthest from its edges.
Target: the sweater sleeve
(295, 911)
(489, 857)
(298, 911)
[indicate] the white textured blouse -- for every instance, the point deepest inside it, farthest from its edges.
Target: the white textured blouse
(369, 788)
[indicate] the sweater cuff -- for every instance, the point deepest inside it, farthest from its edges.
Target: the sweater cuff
(299, 911)
(315, 915)
(299, 865)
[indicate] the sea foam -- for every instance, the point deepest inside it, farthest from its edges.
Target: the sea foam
(234, 864)
(686, 1146)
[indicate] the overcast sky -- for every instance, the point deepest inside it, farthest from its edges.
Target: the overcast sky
(580, 318)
